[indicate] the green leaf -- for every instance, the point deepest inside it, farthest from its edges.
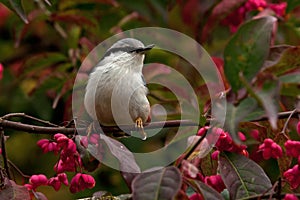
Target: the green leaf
(43, 60)
(290, 89)
(17, 7)
(236, 114)
(268, 95)
(290, 78)
(242, 176)
(247, 50)
(157, 185)
(291, 4)
(288, 60)
(257, 113)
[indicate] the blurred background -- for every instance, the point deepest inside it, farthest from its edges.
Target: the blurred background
(40, 59)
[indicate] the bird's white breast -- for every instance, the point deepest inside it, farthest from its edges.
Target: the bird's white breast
(115, 92)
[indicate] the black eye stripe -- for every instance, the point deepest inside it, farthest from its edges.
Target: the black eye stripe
(123, 49)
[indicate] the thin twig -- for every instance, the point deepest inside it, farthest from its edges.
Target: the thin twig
(287, 121)
(4, 155)
(18, 170)
(23, 115)
(34, 128)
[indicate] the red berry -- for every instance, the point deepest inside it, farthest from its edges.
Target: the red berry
(270, 149)
(57, 136)
(47, 146)
(202, 130)
(196, 196)
(293, 176)
(216, 182)
(38, 180)
(290, 197)
(62, 177)
(292, 148)
(80, 182)
(242, 136)
(215, 155)
(55, 183)
(255, 134)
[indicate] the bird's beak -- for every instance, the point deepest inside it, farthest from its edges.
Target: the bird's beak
(144, 50)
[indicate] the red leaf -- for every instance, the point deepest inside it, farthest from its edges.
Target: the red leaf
(72, 18)
(13, 191)
(220, 11)
(40, 196)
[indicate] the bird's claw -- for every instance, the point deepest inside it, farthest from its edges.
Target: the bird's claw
(140, 127)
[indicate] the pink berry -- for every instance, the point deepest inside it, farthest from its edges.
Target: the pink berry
(290, 197)
(202, 130)
(94, 138)
(216, 182)
(55, 183)
(255, 134)
(62, 177)
(293, 176)
(270, 149)
(292, 148)
(242, 136)
(38, 180)
(196, 196)
(215, 155)
(81, 182)
(57, 136)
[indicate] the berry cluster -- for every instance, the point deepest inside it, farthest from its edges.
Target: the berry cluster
(69, 161)
(293, 175)
(270, 149)
(225, 142)
(238, 17)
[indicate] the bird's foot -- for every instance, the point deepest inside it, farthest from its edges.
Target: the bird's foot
(140, 127)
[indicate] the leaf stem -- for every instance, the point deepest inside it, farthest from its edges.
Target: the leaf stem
(249, 88)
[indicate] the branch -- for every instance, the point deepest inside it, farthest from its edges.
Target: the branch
(61, 129)
(23, 115)
(281, 115)
(53, 128)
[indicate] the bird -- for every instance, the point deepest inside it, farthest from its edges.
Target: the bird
(116, 91)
